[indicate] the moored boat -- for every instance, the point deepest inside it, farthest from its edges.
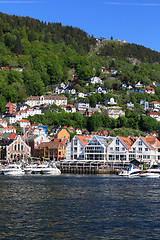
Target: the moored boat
(46, 169)
(12, 169)
(152, 172)
(130, 170)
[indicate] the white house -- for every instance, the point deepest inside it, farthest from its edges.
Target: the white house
(155, 105)
(96, 149)
(144, 149)
(24, 123)
(75, 149)
(118, 150)
(154, 115)
(111, 101)
(81, 95)
(139, 85)
(9, 129)
(95, 80)
(81, 105)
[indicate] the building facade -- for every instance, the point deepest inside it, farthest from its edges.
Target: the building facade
(46, 99)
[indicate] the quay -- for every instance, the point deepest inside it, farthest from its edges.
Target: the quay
(86, 167)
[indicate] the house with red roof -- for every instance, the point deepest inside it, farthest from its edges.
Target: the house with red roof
(118, 150)
(146, 149)
(9, 129)
(9, 108)
(155, 115)
(24, 123)
(75, 149)
(155, 105)
(149, 90)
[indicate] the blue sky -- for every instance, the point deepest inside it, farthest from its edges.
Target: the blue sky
(136, 21)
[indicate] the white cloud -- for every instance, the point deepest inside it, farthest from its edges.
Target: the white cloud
(133, 4)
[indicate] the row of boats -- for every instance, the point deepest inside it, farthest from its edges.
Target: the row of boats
(18, 169)
(131, 171)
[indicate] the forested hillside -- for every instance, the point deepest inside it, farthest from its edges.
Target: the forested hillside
(50, 53)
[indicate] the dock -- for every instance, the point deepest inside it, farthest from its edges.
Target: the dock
(85, 167)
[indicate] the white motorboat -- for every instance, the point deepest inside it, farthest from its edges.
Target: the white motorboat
(46, 169)
(29, 168)
(149, 174)
(130, 170)
(152, 172)
(12, 169)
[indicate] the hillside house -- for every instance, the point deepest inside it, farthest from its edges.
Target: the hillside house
(46, 99)
(154, 105)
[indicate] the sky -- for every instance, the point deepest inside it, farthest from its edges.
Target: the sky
(136, 21)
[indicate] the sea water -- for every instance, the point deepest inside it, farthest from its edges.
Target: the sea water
(79, 207)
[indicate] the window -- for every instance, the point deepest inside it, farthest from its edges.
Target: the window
(140, 150)
(15, 147)
(117, 149)
(111, 148)
(18, 147)
(117, 141)
(140, 143)
(21, 147)
(146, 149)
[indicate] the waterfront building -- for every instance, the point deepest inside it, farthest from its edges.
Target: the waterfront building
(46, 99)
(34, 140)
(75, 149)
(96, 149)
(145, 149)
(63, 134)
(14, 149)
(118, 149)
(51, 150)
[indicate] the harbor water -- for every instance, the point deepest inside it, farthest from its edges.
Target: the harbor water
(79, 207)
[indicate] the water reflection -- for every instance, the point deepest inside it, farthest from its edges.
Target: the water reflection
(79, 207)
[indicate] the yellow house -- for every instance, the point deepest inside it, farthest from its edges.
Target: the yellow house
(63, 134)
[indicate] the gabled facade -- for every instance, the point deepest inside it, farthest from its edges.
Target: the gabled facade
(146, 149)
(52, 150)
(118, 149)
(96, 149)
(115, 112)
(18, 150)
(75, 149)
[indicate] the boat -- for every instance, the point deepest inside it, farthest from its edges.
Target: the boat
(149, 174)
(12, 169)
(29, 168)
(46, 169)
(152, 172)
(130, 170)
